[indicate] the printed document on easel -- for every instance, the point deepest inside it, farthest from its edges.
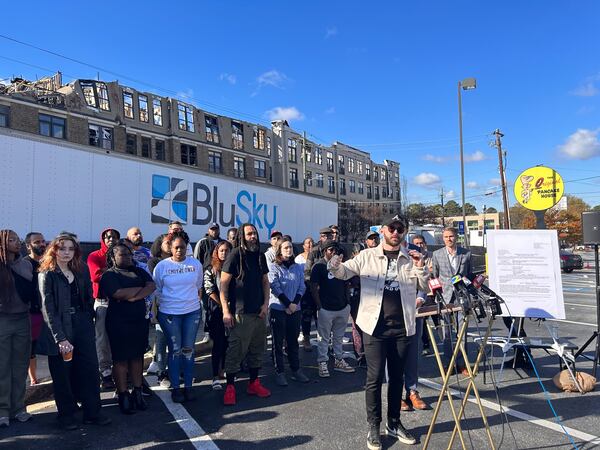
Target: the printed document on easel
(524, 269)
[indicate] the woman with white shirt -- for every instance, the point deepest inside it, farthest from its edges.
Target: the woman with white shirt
(178, 284)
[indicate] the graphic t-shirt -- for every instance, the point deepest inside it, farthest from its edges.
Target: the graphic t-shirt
(391, 317)
(177, 284)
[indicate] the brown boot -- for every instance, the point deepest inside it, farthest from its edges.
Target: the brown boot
(404, 406)
(417, 401)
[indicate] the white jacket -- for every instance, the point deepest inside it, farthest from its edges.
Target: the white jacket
(371, 265)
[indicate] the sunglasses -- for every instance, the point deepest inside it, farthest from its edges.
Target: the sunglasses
(394, 228)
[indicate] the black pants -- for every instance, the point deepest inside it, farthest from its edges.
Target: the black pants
(378, 351)
(285, 326)
(77, 380)
(216, 330)
(308, 312)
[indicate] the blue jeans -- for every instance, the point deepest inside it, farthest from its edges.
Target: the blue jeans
(180, 332)
(413, 353)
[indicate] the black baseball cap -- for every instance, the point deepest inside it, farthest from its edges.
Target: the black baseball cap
(213, 226)
(330, 243)
(396, 218)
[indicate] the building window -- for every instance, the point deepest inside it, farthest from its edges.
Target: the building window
(318, 156)
(320, 180)
(95, 94)
(259, 138)
(237, 136)
(342, 186)
(369, 191)
(308, 179)
(211, 127)
(131, 144)
(473, 224)
(368, 171)
(294, 178)
(341, 167)
(157, 111)
(376, 192)
(239, 167)
(260, 169)
(100, 136)
(143, 106)
(329, 162)
(159, 150)
(52, 126)
(215, 163)
(384, 192)
(4, 115)
(331, 185)
(375, 175)
(269, 145)
(359, 167)
(128, 104)
(308, 153)
(185, 115)
(188, 155)
(350, 165)
(146, 146)
(292, 150)
(361, 188)
(352, 186)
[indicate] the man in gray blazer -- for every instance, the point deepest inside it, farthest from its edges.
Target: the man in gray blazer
(447, 262)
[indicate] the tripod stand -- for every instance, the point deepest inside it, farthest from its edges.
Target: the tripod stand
(596, 334)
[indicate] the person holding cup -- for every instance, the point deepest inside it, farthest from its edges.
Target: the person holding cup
(68, 336)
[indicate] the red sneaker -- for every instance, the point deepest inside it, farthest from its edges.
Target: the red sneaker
(229, 397)
(255, 388)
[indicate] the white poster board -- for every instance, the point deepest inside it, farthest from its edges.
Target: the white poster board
(524, 269)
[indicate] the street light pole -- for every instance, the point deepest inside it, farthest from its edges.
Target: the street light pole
(467, 83)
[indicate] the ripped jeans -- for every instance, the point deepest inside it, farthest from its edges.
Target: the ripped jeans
(180, 333)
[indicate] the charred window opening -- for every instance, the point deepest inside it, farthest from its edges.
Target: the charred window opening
(239, 167)
(157, 111)
(237, 136)
(259, 138)
(95, 94)
(100, 136)
(269, 145)
(143, 106)
(186, 117)
(212, 129)
(329, 162)
(128, 104)
(87, 87)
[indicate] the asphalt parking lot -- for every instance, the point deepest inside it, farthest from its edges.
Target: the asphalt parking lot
(329, 413)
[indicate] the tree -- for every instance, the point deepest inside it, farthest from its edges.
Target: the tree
(470, 210)
(596, 208)
(452, 209)
(521, 218)
(490, 210)
(567, 222)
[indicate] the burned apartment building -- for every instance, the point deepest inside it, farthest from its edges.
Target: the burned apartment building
(117, 118)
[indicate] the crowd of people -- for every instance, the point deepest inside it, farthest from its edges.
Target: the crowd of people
(92, 318)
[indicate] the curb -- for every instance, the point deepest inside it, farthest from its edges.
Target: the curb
(37, 396)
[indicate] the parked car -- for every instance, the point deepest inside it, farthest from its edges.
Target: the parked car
(570, 261)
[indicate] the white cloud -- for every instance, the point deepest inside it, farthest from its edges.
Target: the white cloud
(331, 32)
(188, 93)
(427, 179)
(284, 113)
(588, 88)
(272, 78)
(330, 110)
(475, 157)
(472, 185)
(583, 144)
(495, 181)
(435, 159)
(450, 195)
(230, 78)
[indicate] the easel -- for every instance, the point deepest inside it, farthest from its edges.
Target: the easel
(472, 370)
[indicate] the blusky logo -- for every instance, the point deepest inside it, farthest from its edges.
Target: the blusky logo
(169, 199)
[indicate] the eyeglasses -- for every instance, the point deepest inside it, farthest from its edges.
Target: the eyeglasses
(394, 228)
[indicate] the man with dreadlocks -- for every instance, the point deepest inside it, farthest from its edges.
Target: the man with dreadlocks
(16, 292)
(245, 300)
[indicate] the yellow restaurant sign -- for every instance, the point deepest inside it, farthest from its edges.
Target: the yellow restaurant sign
(539, 188)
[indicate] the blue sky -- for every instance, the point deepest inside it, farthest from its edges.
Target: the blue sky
(381, 76)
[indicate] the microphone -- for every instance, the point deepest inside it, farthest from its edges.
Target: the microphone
(436, 289)
(460, 289)
(485, 290)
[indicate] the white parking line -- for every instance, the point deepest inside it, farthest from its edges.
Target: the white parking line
(579, 304)
(197, 436)
(572, 321)
(586, 437)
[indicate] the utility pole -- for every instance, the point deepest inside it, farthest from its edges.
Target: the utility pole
(304, 159)
(499, 135)
(442, 201)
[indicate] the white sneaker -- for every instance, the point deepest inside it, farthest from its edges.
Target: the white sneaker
(323, 369)
(205, 338)
(346, 340)
(342, 366)
(300, 337)
(152, 368)
(216, 385)
(23, 416)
